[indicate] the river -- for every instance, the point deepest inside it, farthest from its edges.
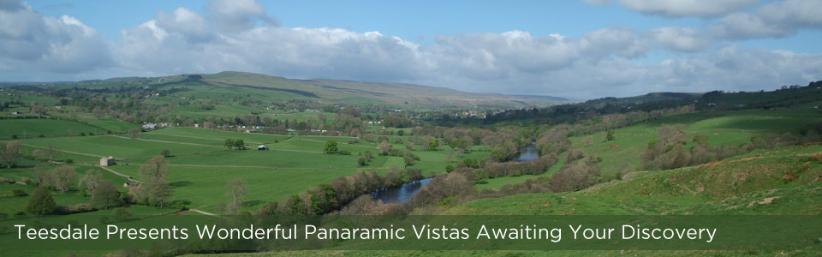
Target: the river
(402, 193)
(528, 153)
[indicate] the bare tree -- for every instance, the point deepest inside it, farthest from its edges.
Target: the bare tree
(10, 153)
(236, 193)
(64, 177)
(154, 189)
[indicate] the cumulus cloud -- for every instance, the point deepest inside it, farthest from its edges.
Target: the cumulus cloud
(235, 15)
(775, 19)
(32, 42)
(683, 8)
(238, 35)
(681, 39)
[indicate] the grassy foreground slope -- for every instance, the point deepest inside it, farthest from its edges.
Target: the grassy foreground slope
(782, 181)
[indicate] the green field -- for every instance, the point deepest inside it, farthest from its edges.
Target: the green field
(201, 165)
(33, 128)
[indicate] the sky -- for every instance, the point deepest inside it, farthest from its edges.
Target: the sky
(577, 49)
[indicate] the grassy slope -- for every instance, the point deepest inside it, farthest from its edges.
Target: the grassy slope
(30, 128)
(726, 128)
(740, 185)
(724, 187)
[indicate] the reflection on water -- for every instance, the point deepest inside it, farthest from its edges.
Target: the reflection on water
(402, 193)
(529, 153)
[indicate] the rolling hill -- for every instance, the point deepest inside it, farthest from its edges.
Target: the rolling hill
(397, 95)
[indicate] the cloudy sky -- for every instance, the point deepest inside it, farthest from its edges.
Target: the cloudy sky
(578, 49)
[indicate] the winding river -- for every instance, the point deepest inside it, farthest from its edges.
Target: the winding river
(404, 192)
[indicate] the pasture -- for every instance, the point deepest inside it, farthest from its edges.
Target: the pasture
(33, 128)
(200, 165)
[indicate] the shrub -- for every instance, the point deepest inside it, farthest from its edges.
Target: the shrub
(41, 202)
(331, 147)
(19, 193)
(576, 176)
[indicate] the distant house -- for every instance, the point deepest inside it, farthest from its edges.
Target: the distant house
(149, 126)
(262, 148)
(106, 161)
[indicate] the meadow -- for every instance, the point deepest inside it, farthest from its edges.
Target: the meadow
(200, 165)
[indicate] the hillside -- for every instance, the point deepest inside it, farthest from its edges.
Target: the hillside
(272, 88)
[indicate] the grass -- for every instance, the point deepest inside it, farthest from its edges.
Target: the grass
(33, 128)
(201, 166)
(731, 128)
(734, 186)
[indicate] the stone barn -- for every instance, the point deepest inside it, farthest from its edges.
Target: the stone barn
(106, 161)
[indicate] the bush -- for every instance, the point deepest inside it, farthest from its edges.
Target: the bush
(576, 176)
(331, 147)
(122, 214)
(19, 193)
(41, 202)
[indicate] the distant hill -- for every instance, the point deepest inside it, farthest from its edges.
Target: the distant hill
(344, 92)
(398, 94)
(809, 96)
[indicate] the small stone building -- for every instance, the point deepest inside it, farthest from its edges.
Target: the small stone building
(106, 161)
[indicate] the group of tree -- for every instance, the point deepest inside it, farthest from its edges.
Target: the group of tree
(62, 179)
(234, 144)
(153, 188)
(579, 173)
(493, 169)
(387, 149)
(327, 198)
(672, 148)
(103, 192)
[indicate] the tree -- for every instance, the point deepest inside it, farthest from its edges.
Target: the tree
(41, 202)
(384, 148)
(10, 153)
(295, 206)
(229, 143)
(105, 196)
(331, 147)
(236, 193)
(154, 189)
(323, 199)
(134, 132)
(609, 136)
(165, 153)
(433, 144)
(64, 177)
(51, 152)
(90, 181)
(362, 161)
(239, 144)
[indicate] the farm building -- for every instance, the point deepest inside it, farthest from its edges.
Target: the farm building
(106, 161)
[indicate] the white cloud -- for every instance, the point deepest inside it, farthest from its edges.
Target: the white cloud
(680, 39)
(236, 15)
(683, 8)
(36, 43)
(775, 19)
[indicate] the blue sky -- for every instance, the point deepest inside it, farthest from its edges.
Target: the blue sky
(579, 49)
